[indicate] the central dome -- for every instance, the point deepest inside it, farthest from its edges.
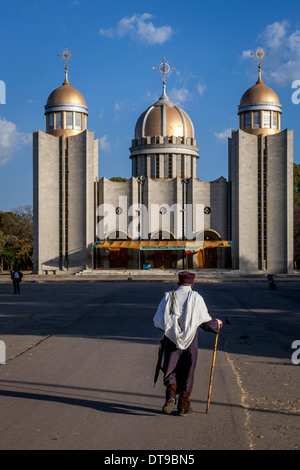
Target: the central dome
(164, 145)
(164, 118)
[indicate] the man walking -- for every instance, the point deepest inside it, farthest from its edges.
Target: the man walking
(16, 277)
(179, 315)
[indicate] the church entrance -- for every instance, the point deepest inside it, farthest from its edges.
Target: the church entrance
(207, 258)
(130, 254)
(118, 258)
(163, 259)
(212, 257)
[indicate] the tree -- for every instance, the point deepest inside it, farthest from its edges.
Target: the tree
(3, 240)
(16, 238)
(296, 184)
(118, 179)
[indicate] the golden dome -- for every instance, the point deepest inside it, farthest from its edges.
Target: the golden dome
(164, 140)
(259, 93)
(66, 111)
(260, 110)
(164, 118)
(66, 94)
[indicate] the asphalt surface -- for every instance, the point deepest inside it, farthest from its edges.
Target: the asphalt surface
(80, 359)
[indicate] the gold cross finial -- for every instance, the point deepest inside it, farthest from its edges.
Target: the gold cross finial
(66, 55)
(164, 68)
(259, 53)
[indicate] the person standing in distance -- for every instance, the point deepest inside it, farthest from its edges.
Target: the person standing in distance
(16, 277)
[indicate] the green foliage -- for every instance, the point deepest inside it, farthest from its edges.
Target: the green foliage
(118, 179)
(16, 238)
(296, 184)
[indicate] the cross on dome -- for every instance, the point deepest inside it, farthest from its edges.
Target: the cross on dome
(259, 53)
(66, 54)
(164, 68)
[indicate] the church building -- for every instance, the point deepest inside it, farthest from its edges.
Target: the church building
(163, 217)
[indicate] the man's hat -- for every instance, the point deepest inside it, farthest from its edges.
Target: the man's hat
(186, 278)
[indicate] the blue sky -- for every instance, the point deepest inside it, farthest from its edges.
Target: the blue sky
(116, 44)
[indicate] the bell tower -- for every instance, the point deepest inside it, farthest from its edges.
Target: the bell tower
(261, 182)
(65, 176)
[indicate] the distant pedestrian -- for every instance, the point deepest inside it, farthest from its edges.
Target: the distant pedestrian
(16, 277)
(179, 315)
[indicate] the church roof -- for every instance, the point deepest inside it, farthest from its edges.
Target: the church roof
(66, 94)
(164, 118)
(259, 93)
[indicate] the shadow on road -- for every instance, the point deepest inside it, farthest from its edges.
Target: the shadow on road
(118, 406)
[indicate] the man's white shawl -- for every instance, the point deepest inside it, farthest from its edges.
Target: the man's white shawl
(180, 320)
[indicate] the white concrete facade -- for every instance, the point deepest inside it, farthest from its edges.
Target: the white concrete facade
(253, 209)
(261, 203)
(65, 175)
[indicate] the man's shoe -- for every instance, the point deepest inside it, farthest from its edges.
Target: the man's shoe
(168, 406)
(183, 412)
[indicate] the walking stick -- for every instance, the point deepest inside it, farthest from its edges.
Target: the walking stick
(212, 369)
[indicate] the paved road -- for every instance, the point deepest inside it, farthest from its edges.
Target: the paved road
(81, 357)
